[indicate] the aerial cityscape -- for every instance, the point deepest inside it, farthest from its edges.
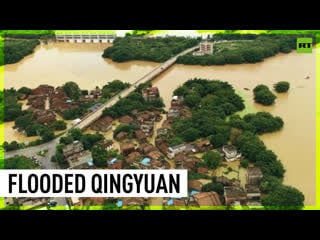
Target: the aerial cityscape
(236, 110)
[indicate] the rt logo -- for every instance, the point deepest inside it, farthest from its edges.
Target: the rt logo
(304, 45)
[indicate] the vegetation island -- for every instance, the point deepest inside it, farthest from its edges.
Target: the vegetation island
(220, 49)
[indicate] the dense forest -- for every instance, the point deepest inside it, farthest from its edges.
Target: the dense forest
(27, 34)
(210, 102)
(20, 43)
(244, 48)
(17, 49)
(147, 49)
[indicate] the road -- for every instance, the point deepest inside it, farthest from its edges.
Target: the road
(45, 162)
(146, 78)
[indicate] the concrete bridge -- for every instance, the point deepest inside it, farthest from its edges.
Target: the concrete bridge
(85, 122)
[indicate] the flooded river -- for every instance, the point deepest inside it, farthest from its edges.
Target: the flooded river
(57, 63)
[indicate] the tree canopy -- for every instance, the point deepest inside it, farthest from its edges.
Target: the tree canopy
(17, 49)
(263, 95)
(134, 101)
(214, 187)
(12, 109)
(281, 86)
(113, 87)
(19, 162)
(210, 101)
(212, 159)
(284, 197)
(263, 122)
(72, 90)
(147, 49)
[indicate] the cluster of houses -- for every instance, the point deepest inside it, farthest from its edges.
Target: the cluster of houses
(143, 122)
(145, 155)
(37, 101)
(45, 100)
(233, 195)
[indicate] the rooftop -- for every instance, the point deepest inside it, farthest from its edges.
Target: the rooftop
(234, 192)
(80, 158)
(194, 185)
(145, 161)
(207, 199)
(229, 148)
(252, 188)
(254, 171)
(90, 32)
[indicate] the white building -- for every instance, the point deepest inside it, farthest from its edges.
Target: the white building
(85, 36)
(231, 153)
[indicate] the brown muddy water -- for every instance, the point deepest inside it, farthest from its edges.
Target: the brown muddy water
(57, 63)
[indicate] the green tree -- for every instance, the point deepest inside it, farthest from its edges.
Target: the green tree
(192, 100)
(285, 198)
(244, 163)
(130, 129)
(269, 183)
(266, 156)
(66, 140)
(219, 139)
(214, 187)
(72, 90)
(75, 133)
(99, 156)
(11, 112)
(175, 141)
(263, 122)
(23, 121)
(212, 159)
(113, 88)
(281, 86)
(14, 145)
(19, 162)
(25, 90)
(249, 145)
(34, 129)
(181, 91)
(263, 95)
(190, 134)
(273, 168)
(59, 125)
(157, 103)
(15, 50)
(47, 135)
(89, 140)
